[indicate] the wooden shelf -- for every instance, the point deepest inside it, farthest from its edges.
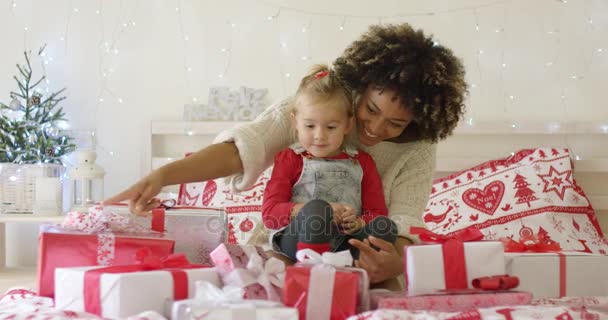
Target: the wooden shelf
(191, 127)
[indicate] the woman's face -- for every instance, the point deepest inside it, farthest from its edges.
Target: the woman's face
(381, 116)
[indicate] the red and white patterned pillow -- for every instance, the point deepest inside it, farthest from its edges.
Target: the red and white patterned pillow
(530, 194)
(244, 209)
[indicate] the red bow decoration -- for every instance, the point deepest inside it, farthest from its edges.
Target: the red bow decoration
(173, 263)
(148, 261)
(464, 235)
(541, 244)
(502, 282)
(455, 272)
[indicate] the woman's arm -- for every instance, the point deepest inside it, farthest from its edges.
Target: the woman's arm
(409, 193)
(141, 194)
(244, 151)
(384, 264)
(408, 197)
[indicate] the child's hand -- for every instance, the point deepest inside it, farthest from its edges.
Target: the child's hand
(349, 215)
(339, 210)
(353, 226)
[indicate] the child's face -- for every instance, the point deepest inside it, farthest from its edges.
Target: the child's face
(321, 127)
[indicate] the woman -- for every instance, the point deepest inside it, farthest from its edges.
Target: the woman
(408, 94)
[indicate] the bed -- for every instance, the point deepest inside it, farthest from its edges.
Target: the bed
(472, 144)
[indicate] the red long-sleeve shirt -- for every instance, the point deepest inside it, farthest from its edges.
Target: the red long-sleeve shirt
(276, 209)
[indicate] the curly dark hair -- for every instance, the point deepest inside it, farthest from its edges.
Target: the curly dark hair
(427, 77)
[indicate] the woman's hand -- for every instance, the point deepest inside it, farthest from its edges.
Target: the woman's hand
(380, 265)
(141, 194)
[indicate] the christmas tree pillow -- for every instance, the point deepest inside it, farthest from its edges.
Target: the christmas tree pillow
(244, 209)
(528, 197)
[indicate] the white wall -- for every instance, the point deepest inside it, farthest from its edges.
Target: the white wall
(543, 45)
(149, 72)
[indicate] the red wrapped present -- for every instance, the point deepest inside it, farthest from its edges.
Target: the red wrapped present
(459, 300)
(560, 274)
(321, 288)
(196, 230)
(448, 265)
(99, 238)
(120, 291)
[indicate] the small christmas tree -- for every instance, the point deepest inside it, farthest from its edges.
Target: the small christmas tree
(231, 234)
(28, 125)
(523, 193)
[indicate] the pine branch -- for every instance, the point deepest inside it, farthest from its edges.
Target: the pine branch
(52, 97)
(13, 93)
(21, 87)
(38, 82)
(23, 73)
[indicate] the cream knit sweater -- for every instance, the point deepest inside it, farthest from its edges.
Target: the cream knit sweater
(406, 169)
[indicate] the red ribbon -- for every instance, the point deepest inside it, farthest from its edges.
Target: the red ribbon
(464, 235)
(454, 262)
(540, 245)
(173, 263)
(502, 282)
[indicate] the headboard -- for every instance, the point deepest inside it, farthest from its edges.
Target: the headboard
(471, 144)
(475, 143)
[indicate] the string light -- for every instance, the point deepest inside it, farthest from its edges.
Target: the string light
(307, 56)
(341, 28)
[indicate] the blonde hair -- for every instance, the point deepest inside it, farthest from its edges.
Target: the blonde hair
(321, 85)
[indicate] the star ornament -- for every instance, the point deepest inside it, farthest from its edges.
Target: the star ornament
(557, 181)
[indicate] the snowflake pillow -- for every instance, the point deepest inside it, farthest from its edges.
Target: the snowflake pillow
(244, 209)
(528, 196)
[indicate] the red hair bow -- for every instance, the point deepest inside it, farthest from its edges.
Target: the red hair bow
(321, 74)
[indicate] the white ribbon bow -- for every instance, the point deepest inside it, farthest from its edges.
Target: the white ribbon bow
(207, 291)
(208, 295)
(270, 275)
(336, 259)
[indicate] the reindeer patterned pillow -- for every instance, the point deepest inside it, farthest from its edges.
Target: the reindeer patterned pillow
(528, 197)
(244, 209)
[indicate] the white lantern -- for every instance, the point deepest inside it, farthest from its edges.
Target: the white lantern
(87, 181)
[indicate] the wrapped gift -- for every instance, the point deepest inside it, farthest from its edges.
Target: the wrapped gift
(228, 257)
(323, 288)
(98, 238)
(453, 263)
(552, 275)
(512, 312)
(196, 230)
(125, 290)
(250, 268)
(211, 302)
(460, 300)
